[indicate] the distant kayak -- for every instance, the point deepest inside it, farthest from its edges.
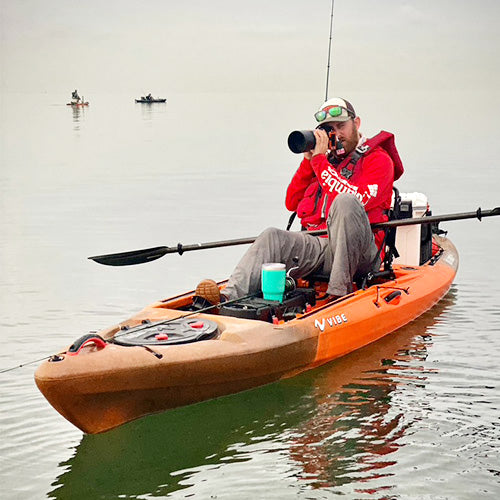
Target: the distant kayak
(77, 104)
(149, 101)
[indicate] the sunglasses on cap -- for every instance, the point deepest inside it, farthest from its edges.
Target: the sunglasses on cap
(332, 111)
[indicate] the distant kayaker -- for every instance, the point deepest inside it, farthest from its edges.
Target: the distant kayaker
(149, 97)
(344, 183)
(75, 96)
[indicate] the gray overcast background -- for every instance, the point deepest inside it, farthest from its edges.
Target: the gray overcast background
(231, 46)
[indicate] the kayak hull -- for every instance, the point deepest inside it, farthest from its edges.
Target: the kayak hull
(146, 101)
(101, 388)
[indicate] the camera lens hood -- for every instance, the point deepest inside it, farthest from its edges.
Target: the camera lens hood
(300, 141)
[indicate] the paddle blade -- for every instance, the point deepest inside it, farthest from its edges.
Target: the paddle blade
(131, 258)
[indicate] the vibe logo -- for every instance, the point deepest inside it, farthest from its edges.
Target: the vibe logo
(336, 320)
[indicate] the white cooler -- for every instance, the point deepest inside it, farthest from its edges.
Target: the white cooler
(409, 238)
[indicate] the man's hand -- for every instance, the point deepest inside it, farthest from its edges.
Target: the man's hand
(322, 140)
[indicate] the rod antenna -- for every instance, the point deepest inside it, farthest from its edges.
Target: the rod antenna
(329, 52)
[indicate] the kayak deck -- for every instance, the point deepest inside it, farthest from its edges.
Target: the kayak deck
(103, 386)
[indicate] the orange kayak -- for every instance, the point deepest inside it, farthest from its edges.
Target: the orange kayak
(166, 356)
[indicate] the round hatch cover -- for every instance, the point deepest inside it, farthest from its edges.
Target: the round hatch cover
(181, 331)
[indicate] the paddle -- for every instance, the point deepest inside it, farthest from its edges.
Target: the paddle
(150, 254)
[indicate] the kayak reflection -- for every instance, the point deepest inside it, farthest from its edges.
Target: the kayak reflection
(335, 421)
(355, 426)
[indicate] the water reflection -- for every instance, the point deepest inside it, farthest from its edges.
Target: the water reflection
(355, 429)
(149, 110)
(337, 425)
(78, 116)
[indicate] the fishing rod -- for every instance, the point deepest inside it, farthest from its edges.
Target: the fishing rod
(145, 325)
(150, 254)
(329, 52)
(23, 364)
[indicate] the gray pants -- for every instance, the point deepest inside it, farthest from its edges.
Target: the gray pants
(349, 248)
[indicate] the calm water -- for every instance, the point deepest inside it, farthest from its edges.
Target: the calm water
(415, 415)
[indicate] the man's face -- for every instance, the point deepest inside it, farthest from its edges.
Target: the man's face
(347, 132)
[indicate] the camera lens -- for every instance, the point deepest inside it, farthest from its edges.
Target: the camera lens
(301, 140)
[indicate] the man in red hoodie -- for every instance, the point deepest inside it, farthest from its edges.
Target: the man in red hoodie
(343, 184)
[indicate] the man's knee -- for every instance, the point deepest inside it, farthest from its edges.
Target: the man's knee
(345, 204)
(268, 235)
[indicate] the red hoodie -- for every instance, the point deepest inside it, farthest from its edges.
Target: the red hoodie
(316, 183)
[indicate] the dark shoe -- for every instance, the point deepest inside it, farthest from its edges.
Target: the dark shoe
(209, 291)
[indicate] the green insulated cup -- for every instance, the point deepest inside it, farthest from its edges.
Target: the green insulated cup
(273, 281)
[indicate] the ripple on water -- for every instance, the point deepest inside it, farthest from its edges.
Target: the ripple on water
(29, 423)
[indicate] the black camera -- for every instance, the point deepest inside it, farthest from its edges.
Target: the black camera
(300, 141)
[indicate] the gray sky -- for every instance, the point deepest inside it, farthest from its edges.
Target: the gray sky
(130, 45)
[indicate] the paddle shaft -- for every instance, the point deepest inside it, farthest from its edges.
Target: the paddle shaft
(150, 254)
(430, 219)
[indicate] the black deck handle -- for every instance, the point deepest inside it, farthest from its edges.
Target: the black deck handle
(392, 296)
